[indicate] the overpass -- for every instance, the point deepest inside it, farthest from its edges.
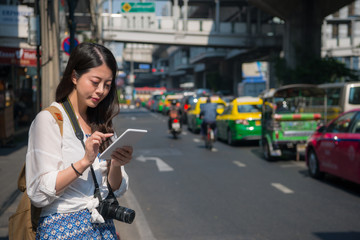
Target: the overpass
(300, 28)
(193, 32)
(303, 21)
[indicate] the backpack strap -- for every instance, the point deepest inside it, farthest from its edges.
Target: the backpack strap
(56, 113)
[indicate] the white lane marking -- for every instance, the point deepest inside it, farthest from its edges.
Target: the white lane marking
(133, 118)
(162, 166)
(196, 140)
(141, 224)
(154, 115)
(282, 188)
(293, 164)
(214, 149)
(239, 164)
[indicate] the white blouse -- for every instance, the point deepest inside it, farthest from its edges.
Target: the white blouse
(47, 154)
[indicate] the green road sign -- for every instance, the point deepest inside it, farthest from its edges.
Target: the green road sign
(138, 7)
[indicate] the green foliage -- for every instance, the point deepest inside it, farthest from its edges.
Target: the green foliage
(315, 71)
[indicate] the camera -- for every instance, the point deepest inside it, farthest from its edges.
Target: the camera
(109, 208)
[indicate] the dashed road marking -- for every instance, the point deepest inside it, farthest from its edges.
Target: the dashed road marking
(293, 164)
(282, 188)
(196, 140)
(239, 164)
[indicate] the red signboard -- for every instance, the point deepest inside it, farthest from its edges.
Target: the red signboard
(18, 56)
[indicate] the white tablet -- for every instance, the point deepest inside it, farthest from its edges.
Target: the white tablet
(129, 138)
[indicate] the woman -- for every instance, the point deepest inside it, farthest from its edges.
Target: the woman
(58, 173)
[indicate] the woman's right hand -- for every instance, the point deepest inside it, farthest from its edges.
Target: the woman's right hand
(92, 145)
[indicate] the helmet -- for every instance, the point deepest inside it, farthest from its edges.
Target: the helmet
(173, 102)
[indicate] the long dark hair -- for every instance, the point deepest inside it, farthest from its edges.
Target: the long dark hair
(83, 58)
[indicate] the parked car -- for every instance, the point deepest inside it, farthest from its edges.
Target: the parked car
(193, 115)
(290, 114)
(335, 148)
(241, 120)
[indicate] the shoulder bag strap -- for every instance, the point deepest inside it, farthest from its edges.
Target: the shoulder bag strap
(80, 135)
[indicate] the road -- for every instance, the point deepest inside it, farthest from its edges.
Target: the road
(228, 193)
(182, 191)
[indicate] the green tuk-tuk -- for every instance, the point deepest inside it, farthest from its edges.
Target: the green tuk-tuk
(290, 114)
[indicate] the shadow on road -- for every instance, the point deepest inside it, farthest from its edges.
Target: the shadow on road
(339, 183)
(337, 235)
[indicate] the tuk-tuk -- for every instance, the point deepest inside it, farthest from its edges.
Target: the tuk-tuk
(290, 114)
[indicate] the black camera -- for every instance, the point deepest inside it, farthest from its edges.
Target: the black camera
(109, 208)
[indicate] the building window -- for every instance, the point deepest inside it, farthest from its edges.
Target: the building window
(347, 62)
(356, 63)
(335, 31)
(349, 29)
(351, 9)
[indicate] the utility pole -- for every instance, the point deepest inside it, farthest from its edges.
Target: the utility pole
(71, 22)
(38, 56)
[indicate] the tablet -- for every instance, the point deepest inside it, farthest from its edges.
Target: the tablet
(129, 138)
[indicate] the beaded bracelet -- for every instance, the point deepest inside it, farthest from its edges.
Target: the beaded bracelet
(77, 172)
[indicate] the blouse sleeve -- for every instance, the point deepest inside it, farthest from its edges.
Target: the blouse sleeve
(43, 159)
(124, 183)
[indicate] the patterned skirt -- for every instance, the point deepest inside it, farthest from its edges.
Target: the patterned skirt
(74, 225)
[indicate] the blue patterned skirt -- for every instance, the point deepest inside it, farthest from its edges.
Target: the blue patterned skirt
(74, 225)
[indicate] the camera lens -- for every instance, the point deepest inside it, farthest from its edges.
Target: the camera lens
(124, 214)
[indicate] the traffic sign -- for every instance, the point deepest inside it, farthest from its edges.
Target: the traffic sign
(138, 7)
(66, 45)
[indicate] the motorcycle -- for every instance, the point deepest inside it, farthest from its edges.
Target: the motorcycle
(175, 129)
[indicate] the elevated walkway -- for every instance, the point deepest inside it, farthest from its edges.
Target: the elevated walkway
(193, 32)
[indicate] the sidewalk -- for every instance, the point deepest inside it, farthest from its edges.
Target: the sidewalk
(12, 157)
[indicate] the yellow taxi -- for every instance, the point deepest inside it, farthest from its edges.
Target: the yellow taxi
(193, 115)
(241, 120)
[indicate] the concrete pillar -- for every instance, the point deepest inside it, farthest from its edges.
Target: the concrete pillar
(204, 79)
(248, 21)
(302, 37)
(217, 15)
(237, 76)
(176, 14)
(49, 12)
(271, 77)
(185, 15)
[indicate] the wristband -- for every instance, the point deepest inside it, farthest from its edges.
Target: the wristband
(77, 172)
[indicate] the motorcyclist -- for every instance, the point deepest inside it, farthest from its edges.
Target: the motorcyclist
(208, 114)
(174, 113)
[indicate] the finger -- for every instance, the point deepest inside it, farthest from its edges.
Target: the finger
(128, 149)
(124, 152)
(106, 135)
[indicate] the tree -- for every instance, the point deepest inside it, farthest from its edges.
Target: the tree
(314, 71)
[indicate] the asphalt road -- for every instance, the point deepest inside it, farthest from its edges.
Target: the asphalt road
(180, 190)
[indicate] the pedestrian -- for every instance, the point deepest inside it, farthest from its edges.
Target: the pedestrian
(58, 167)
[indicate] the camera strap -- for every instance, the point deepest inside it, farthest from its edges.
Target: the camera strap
(80, 135)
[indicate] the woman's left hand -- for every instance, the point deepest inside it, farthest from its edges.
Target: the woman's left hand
(121, 156)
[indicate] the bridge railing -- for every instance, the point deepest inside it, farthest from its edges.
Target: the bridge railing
(151, 23)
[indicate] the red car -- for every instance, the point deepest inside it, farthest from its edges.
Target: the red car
(335, 148)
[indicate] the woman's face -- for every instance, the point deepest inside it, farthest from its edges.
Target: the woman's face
(93, 86)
